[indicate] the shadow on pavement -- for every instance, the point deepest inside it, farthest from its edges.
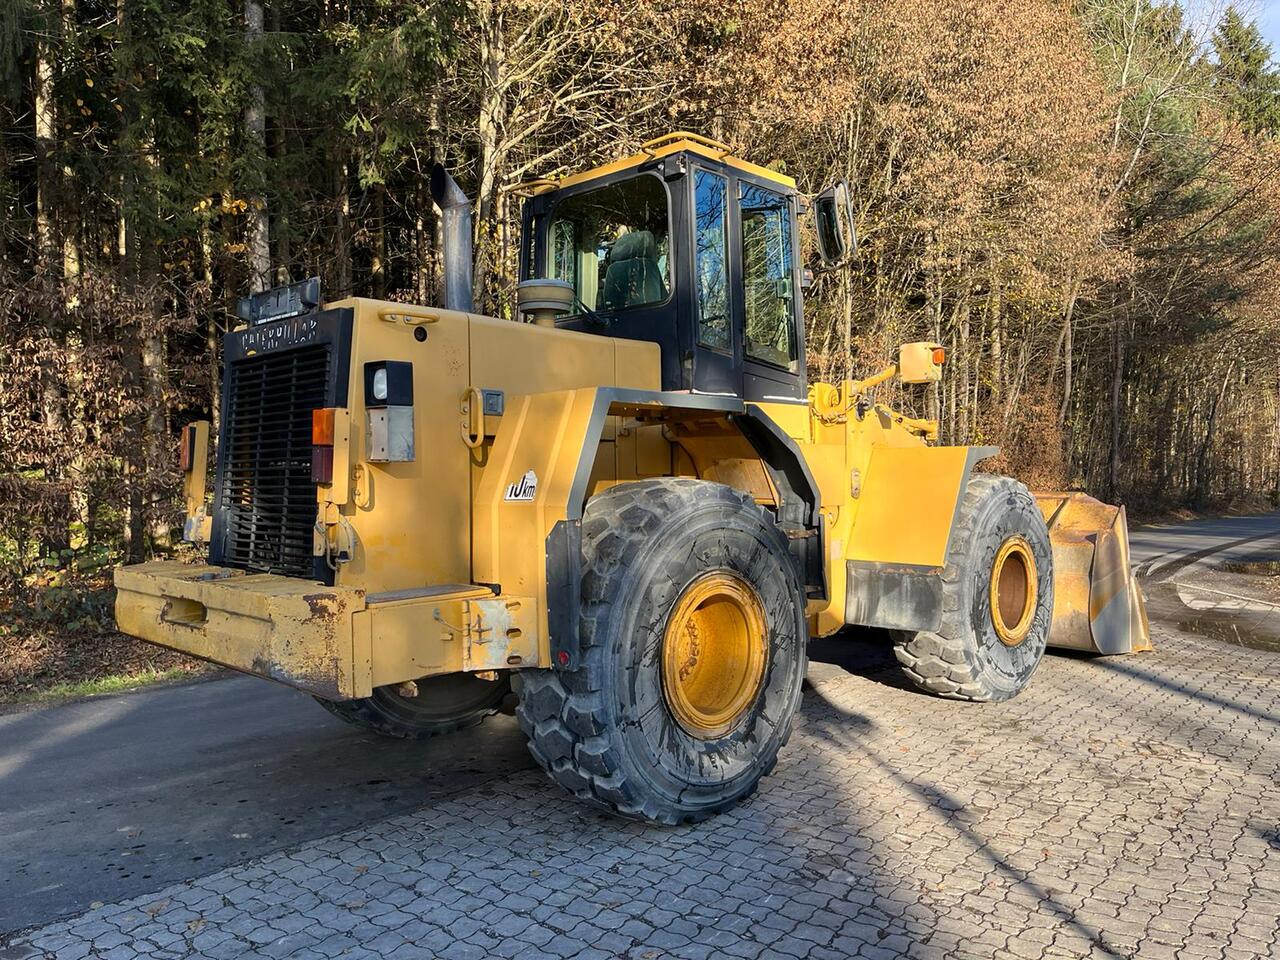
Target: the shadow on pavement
(119, 796)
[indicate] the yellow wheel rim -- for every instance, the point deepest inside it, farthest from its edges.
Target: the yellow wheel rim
(713, 654)
(1014, 586)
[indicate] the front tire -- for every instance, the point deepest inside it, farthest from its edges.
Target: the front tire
(692, 635)
(443, 704)
(997, 599)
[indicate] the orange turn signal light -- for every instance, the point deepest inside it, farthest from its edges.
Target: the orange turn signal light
(939, 356)
(322, 427)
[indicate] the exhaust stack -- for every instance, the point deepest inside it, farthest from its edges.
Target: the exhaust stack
(456, 216)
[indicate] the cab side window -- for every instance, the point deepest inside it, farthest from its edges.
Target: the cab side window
(768, 287)
(710, 194)
(611, 244)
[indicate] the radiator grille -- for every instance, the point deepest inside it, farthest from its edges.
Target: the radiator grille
(267, 493)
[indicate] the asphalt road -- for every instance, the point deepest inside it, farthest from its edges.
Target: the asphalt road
(115, 797)
(122, 795)
(1160, 552)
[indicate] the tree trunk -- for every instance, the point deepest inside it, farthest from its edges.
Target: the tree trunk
(1068, 366)
(70, 197)
(45, 132)
(255, 129)
(342, 227)
(1117, 384)
(212, 332)
(1203, 477)
(489, 126)
(284, 245)
(997, 343)
(960, 317)
(378, 261)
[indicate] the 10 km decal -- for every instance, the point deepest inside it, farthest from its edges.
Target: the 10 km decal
(524, 488)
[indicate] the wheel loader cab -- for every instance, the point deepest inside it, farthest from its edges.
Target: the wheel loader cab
(686, 247)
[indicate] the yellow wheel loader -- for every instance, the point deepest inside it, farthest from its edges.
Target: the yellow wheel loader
(625, 515)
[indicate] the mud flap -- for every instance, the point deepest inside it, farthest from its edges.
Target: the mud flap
(1097, 603)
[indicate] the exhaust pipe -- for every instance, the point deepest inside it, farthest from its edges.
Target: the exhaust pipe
(456, 222)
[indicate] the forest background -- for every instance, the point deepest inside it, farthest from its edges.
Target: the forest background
(1079, 198)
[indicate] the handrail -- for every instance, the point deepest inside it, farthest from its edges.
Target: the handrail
(409, 316)
(473, 414)
(527, 187)
(651, 145)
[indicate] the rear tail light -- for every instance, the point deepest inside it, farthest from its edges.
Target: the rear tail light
(939, 355)
(322, 445)
(187, 448)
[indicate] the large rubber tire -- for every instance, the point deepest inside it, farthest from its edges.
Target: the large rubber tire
(443, 704)
(604, 730)
(966, 659)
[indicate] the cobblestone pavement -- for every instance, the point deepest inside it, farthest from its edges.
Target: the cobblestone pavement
(1122, 807)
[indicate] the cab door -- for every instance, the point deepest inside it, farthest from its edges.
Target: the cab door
(717, 347)
(768, 312)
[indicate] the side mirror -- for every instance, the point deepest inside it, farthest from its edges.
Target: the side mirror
(837, 239)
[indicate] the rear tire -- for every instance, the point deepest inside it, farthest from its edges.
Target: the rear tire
(443, 704)
(692, 607)
(985, 650)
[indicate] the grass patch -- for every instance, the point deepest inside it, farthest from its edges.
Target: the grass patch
(58, 640)
(1256, 568)
(117, 683)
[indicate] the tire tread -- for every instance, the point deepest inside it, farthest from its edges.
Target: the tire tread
(563, 712)
(939, 661)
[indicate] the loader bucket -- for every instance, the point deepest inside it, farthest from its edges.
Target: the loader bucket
(1097, 604)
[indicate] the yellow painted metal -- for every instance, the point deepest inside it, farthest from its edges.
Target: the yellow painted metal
(887, 497)
(467, 630)
(916, 363)
(196, 527)
(334, 642)
(338, 491)
(408, 526)
(521, 358)
(1097, 602)
(1013, 591)
(677, 135)
(410, 521)
(655, 149)
(907, 505)
(287, 629)
(541, 434)
(714, 651)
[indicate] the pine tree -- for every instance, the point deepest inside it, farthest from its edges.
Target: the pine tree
(1245, 75)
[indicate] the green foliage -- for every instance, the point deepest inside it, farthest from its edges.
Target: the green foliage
(1245, 76)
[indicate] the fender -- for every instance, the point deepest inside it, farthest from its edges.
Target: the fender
(537, 481)
(906, 515)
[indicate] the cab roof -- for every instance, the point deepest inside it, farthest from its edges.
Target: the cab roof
(677, 142)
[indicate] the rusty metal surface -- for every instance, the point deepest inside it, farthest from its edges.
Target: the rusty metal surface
(334, 642)
(1097, 604)
(294, 631)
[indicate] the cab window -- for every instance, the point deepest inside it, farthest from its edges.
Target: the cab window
(612, 244)
(767, 280)
(710, 194)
